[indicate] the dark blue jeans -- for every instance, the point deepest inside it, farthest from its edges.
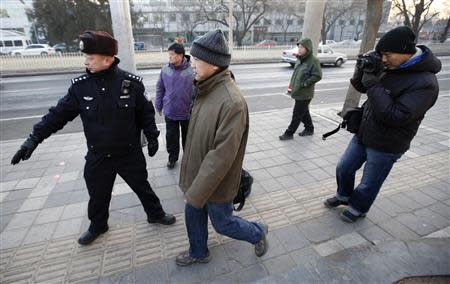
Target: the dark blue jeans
(377, 167)
(223, 221)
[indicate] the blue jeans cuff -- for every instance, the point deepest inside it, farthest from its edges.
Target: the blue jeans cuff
(355, 211)
(342, 198)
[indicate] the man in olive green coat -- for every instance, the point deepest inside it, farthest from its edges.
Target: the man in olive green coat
(307, 73)
(214, 152)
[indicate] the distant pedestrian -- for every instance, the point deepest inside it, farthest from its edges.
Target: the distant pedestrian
(307, 73)
(174, 97)
(114, 111)
(214, 152)
(399, 94)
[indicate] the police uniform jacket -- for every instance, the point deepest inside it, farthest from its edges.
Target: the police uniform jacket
(112, 107)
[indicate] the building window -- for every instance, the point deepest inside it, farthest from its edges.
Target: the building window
(278, 22)
(18, 43)
(8, 43)
(342, 22)
(352, 22)
(1, 43)
(290, 22)
(186, 17)
(267, 22)
(172, 17)
(300, 22)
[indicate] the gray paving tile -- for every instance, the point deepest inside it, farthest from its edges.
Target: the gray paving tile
(22, 220)
(419, 225)
(440, 208)
(429, 216)
(288, 182)
(68, 227)
(40, 233)
(27, 183)
(304, 255)
(375, 235)
(404, 202)
(279, 264)
(152, 273)
(398, 230)
(74, 210)
(377, 215)
(253, 273)
(324, 228)
(10, 207)
(17, 195)
(123, 277)
(291, 238)
(32, 204)
(48, 215)
(4, 221)
(420, 197)
(328, 247)
(12, 238)
(351, 240)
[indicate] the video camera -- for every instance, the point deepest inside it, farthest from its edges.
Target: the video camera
(370, 62)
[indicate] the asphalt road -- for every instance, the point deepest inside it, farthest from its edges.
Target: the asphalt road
(23, 100)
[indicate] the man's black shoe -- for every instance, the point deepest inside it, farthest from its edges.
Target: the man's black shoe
(171, 164)
(286, 137)
(306, 132)
(167, 219)
(334, 202)
(88, 237)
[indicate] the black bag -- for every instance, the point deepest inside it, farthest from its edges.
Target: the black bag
(245, 187)
(351, 121)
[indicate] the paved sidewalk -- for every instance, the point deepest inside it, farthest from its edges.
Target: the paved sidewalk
(44, 200)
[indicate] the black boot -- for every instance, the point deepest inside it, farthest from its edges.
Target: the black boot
(88, 236)
(286, 136)
(167, 219)
(306, 132)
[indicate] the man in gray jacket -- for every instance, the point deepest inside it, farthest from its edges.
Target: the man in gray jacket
(213, 154)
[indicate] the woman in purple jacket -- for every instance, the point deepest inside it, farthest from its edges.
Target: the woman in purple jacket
(173, 97)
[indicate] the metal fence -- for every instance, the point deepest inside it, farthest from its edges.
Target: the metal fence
(10, 64)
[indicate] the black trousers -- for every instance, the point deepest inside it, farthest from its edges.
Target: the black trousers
(300, 114)
(173, 136)
(100, 173)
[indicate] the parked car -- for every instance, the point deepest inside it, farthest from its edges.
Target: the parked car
(325, 54)
(34, 49)
(267, 43)
(139, 45)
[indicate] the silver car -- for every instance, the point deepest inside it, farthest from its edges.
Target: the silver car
(325, 54)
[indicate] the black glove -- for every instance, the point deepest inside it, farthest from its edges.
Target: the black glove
(25, 150)
(152, 147)
(357, 75)
(369, 80)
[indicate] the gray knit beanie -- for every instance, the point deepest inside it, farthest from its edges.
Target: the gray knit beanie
(212, 48)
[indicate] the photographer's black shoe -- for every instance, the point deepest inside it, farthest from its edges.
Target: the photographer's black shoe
(167, 219)
(88, 236)
(334, 202)
(171, 164)
(306, 132)
(286, 137)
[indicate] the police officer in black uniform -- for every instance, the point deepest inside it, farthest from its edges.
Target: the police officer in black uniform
(114, 111)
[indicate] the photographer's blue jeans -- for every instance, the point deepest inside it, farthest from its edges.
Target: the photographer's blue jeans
(376, 169)
(223, 221)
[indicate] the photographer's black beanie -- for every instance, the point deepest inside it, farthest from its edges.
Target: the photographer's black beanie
(398, 40)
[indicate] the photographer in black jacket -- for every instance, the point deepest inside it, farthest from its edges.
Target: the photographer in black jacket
(399, 94)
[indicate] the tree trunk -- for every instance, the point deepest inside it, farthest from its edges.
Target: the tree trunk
(371, 26)
(443, 35)
(311, 29)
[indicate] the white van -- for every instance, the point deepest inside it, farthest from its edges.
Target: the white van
(12, 40)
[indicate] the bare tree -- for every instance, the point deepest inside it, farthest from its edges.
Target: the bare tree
(284, 18)
(334, 10)
(415, 14)
(443, 34)
(245, 13)
(189, 17)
